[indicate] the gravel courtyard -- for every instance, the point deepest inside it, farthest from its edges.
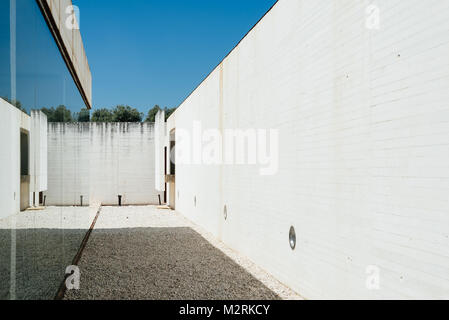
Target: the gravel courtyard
(149, 253)
(36, 246)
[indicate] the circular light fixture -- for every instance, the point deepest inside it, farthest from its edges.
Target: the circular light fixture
(292, 238)
(225, 212)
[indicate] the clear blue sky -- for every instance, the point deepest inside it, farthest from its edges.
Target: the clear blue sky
(147, 52)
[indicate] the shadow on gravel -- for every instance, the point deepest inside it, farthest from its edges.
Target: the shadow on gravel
(161, 263)
(42, 256)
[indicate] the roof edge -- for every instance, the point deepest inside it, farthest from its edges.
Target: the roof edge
(69, 43)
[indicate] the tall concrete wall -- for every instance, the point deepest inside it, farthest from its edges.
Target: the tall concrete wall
(159, 152)
(362, 115)
(38, 154)
(100, 161)
(12, 121)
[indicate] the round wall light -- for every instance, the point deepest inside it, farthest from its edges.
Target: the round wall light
(225, 212)
(292, 238)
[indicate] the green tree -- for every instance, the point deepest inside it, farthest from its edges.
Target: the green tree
(151, 117)
(102, 115)
(60, 114)
(169, 112)
(49, 113)
(126, 114)
(83, 115)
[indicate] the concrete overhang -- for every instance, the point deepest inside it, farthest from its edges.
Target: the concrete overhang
(70, 44)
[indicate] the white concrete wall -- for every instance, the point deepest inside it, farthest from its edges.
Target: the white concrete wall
(38, 154)
(159, 152)
(12, 120)
(101, 161)
(69, 148)
(364, 151)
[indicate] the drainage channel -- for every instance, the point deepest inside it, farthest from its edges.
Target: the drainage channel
(62, 288)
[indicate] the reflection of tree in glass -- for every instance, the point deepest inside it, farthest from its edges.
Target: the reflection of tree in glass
(60, 114)
(82, 116)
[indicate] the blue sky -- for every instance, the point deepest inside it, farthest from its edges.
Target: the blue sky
(147, 52)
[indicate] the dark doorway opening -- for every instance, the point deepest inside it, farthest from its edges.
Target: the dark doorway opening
(165, 174)
(24, 171)
(24, 154)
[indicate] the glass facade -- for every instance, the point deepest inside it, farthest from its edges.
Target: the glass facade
(34, 252)
(42, 79)
(5, 60)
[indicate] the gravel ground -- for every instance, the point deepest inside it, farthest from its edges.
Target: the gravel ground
(46, 242)
(148, 253)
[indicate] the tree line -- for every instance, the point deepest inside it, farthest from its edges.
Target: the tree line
(120, 113)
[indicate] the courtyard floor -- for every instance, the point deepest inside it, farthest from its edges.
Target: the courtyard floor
(36, 246)
(139, 252)
(149, 253)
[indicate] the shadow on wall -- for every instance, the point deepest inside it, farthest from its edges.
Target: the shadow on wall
(161, 263)
(42, 256)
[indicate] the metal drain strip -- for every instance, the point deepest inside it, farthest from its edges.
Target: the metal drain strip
(62, 288)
